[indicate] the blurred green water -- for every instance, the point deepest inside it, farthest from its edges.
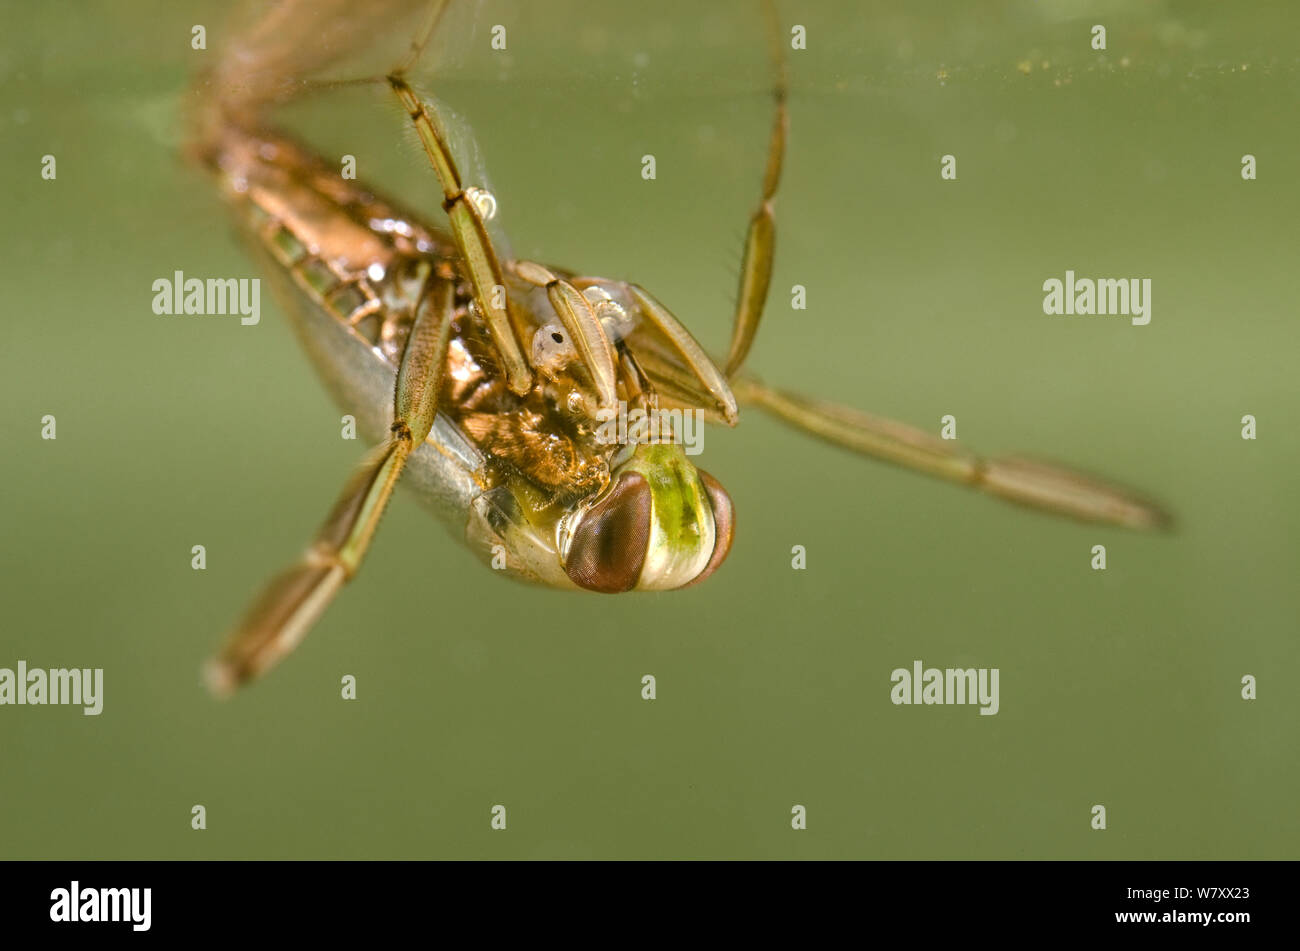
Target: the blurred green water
(1119, 687)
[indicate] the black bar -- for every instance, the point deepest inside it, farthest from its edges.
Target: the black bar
(927, 900)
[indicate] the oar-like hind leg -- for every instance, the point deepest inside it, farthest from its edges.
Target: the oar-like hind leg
(293, 600)
(1040, 485)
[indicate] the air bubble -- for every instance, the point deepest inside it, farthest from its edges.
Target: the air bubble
(484, 201)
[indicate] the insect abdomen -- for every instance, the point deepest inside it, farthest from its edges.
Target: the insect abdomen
(338, 277)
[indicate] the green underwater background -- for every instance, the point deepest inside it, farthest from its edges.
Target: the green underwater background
(1120, 687)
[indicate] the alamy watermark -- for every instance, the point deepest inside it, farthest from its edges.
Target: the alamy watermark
(83, 687)
(619, 427)
(927, 685)
(75, 904)
(214, 297)
(1103, 297)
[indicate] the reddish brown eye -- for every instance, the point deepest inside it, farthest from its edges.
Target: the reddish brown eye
(609, 544)
(724, 525)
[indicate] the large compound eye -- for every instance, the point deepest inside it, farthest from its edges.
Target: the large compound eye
(724, 525)
(609, 545)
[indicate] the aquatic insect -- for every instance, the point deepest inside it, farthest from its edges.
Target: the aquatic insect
(484, 379)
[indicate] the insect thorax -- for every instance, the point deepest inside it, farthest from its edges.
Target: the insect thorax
(367, 263)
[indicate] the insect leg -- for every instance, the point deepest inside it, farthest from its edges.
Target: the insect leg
(760, 239)
(686, 352)
(471, 237)
(1038, 485)
(293, 601)
(585, 330)
(432, 16)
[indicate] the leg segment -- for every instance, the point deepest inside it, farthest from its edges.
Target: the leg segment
(1038, 485)
(760, 239)
(470, 234)
(585, 330)
(293, 601)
